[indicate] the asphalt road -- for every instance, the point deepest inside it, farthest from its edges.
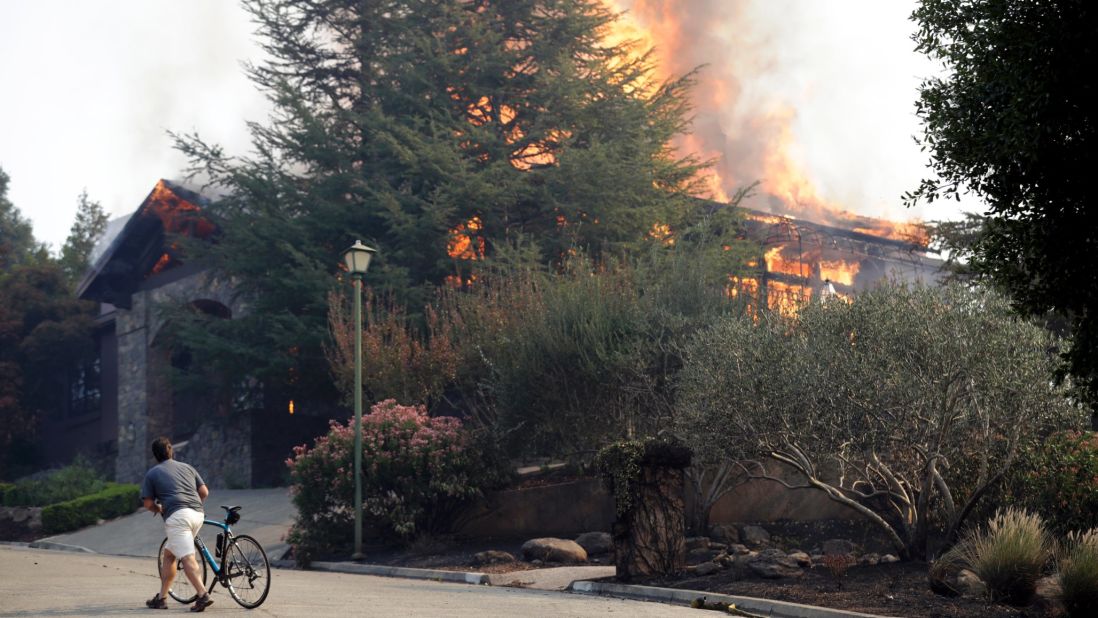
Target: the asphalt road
(53, 583)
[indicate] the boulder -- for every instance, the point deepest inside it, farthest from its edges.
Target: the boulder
(738, 549)
(492, 556)
(706, 568)
(801, 558)
(713, 545)
(596, 543)
(550, 549)
(1047, 597)
(837, 547)
(696, 556)
(889, 558)
(724, 533)
(774, 564)
(871, 559)
(817, 558)
(754, 536)
(969, 584)
(697, 542)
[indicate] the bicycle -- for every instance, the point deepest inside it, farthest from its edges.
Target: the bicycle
(243, 568)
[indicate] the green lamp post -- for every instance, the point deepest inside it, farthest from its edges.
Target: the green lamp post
(357, 260)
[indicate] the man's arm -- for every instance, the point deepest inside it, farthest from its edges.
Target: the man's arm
(203, 491)
(153, 506)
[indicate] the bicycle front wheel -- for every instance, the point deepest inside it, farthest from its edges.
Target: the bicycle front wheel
(181, 589)
(248, 574)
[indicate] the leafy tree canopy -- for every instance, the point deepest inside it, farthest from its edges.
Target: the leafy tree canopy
(17, 244)
(1013, 122)
(436, 131)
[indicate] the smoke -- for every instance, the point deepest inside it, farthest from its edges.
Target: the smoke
(812, 100)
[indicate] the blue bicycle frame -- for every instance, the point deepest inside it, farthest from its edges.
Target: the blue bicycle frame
(206, 552)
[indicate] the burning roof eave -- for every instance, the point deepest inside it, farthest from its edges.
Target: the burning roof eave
(114, 275)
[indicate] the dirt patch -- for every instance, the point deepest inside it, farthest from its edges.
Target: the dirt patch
(898, 589)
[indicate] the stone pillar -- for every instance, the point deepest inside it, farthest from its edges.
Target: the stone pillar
(131, 331)
(650, 537)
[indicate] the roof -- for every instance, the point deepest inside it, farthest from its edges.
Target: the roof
(139, 245)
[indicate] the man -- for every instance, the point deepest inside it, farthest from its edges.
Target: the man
(175, 491)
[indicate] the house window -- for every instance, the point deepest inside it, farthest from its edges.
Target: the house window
(84, 389)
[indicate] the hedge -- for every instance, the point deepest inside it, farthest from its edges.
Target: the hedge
(117, 499)
(4, 489)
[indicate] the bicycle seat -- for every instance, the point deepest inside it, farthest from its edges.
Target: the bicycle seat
(230, 509)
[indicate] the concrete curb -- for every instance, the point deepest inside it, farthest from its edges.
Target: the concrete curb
(460, 577)
(777, 609)
(59, 547)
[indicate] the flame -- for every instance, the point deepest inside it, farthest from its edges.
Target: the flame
(465, 243)
(786, 299)
(747, 145)
(839, 271)
(776, 263)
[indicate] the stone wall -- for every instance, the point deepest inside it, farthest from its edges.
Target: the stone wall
(221, 451)
(555, 510)
(20, 523)
(136, 330)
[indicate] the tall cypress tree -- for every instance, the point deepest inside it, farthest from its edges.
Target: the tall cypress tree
(405, 122)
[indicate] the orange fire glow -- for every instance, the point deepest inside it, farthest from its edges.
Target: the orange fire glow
(839, 271)
(465, 243)
(777, 263)
(786, 299)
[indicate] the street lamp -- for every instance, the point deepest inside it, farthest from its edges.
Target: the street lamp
(357, 259)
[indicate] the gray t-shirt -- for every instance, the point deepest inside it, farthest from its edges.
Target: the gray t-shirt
(175, 484)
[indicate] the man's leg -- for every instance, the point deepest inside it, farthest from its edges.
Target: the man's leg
(194, 573)
(167, 573)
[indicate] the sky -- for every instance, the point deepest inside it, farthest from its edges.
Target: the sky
(89, 90)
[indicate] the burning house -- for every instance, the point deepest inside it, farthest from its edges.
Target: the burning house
(804, 260)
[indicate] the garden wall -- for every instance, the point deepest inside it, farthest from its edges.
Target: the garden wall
(573, 507)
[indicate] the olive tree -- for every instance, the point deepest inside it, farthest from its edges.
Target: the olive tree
(906, 404)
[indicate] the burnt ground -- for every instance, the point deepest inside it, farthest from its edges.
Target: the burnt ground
(897, 589)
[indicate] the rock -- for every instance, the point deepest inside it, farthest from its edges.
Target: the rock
(738, 549)
(817, 558)
(706, 568)
(725, 561)
(696, 556)
(835, 547)
(20, 514)
(871, 559)
(754, 536)
(718, 546)
(969, 584)
(889, 558)
(801, 558)
(1047, 597)
(492, 556)
(774, 564)
(724, 533)
(697, 542)
(536, 562)
(596, 543)
(550, 549)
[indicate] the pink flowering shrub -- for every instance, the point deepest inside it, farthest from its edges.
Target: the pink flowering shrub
(416, 471)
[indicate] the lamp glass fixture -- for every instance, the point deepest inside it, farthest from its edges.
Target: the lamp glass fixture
(357, 258)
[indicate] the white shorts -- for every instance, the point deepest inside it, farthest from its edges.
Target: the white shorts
(181, 528)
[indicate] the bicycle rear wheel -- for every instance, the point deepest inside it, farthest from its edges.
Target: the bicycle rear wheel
(181, 589)
(248, 574)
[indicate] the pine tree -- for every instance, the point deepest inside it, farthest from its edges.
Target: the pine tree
(405, 122)
(17, 244)
(90, 223)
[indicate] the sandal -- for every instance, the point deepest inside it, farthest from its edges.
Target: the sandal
(157, 602)
(202, 603)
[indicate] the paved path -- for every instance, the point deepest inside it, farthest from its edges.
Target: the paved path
(266, 515)
(45, 583)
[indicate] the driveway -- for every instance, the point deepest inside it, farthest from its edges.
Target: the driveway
(53, 583)
(266, 515)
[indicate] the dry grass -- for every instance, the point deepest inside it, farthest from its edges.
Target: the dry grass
(1009, 554)
(1077, 570)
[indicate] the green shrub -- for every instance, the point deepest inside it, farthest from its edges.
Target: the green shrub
(4, 489)
(1058, 478)
(112, 501)
(1009, 555)
(74, 480)
(1078, 573)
